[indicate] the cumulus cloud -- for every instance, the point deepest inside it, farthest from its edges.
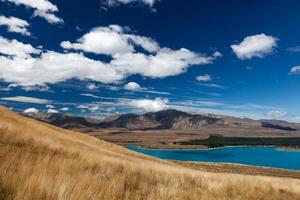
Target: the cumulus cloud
(24, 99)
(132, 86)
(155, 62)
(146, 104)
(16, 48)
(21, 68)
(111, 40)
(26, 66)
(204, 78)
(117, 2)
(31, 110)
(255, 46)
(42, 8)
(14, 24)
(276, 114)
(295, 70)
(166, 62)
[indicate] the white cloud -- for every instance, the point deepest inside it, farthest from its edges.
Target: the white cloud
(101, 40)
(166, 62)
(255, 46)
(42, 8)
(16, 48)
(157, 63)
(53, 67)
(26, 100)
(50, 17)
(65, 109)
(50, 106)
(94, 108)
(204, 78)
(295, 70)
(111, 40)
(29, 67)
(146, 104)
(276, 114)
(82, 107)
(14, 24)
(146, 43)
(116, 2)
(132, 86)
(52, 111)
(31, 110)
(92, 86)
(217, 54)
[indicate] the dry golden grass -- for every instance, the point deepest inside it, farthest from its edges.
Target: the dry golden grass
(42, 162)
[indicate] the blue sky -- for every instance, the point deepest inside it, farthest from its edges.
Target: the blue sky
(105, 57)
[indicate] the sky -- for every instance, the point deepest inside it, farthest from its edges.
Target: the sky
(105, 57)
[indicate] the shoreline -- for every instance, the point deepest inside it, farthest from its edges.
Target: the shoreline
(214, 148)
(234, 168)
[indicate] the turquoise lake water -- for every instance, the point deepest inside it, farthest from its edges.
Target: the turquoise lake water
(256, 156)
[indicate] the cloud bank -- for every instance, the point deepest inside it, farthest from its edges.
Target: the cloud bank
(25, 65)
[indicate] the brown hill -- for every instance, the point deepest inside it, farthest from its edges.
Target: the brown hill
(43, 162)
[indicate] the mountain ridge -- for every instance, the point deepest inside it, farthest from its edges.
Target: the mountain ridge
(164, 119)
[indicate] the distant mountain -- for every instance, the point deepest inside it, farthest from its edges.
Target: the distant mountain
(165, 119)
(64, 120)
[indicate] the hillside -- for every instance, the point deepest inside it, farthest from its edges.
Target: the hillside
(43, 162)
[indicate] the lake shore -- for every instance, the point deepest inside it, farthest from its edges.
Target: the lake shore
(202, 147)
(240, 169)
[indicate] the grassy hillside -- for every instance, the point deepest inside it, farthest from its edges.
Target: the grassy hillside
(42, 162)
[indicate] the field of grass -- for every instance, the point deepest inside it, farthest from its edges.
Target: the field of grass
(42, 162)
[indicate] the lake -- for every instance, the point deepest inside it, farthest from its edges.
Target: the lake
(256, 156)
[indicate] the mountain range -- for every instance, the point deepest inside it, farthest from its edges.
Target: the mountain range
(165, 119)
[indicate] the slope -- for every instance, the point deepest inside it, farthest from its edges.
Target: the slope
(43, 162)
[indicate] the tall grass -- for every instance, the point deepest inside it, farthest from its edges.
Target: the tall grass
(42, 162)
